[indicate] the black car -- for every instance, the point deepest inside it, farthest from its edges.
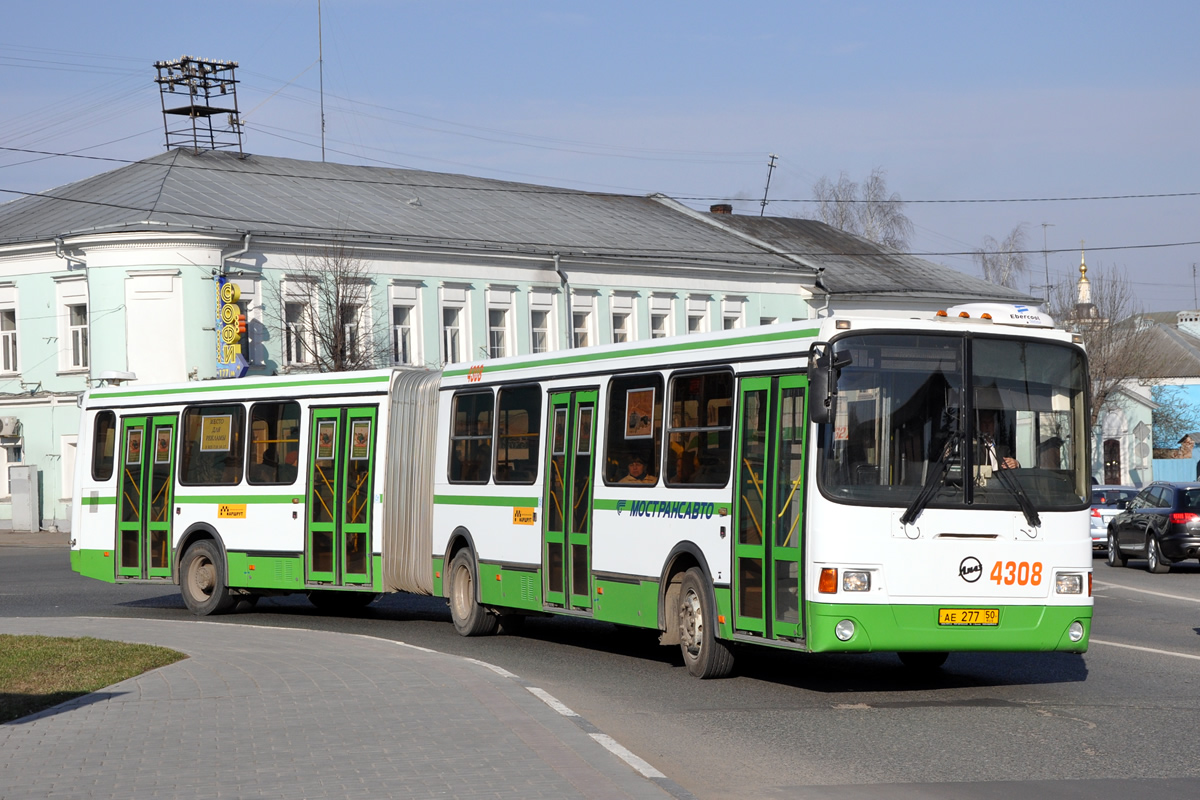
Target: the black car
(1161, 524)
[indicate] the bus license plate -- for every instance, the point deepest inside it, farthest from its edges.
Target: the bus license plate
(968, 616)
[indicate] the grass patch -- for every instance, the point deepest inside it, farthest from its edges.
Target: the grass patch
(37, 672)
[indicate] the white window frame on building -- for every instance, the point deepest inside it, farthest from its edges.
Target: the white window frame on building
(624, 319)
(733, 313)
(661, 316)
(73, 325)
(541, 310)
(297, 333)
(454, 324)
(583, 319)
(11, 455)
(697, 314)
(68, 447)
(500, 314)
(405, 324)
(10, 358)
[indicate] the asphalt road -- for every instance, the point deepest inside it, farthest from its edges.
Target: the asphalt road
(1119, 721)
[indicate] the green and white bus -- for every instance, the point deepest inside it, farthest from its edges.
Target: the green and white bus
(843, 484)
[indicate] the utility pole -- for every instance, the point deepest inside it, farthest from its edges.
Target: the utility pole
(1045, 260)
(321, 73)
(770, 169)
(1195, 302)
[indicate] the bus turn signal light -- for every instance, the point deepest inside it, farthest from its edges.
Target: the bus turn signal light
(828, 582)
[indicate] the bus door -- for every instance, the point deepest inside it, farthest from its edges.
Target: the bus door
(567, 535)
(147, 485)
(768, 589)
(338, 499)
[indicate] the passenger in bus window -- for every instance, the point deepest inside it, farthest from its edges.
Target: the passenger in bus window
(636, 469)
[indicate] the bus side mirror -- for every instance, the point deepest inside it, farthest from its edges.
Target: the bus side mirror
(823, 370)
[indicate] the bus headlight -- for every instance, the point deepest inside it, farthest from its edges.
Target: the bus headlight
(1068, 583)
(844, 630)
(1075, 632)
(856, 581)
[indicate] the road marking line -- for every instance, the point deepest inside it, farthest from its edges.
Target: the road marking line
(1094, 640)
(551, 701)
(1148, 591)
(629, 758)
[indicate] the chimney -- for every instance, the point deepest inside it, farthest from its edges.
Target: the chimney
(721, 208)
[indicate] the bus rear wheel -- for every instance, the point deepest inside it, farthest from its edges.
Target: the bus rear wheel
(470, 618)
(202, 580)
(703, 654)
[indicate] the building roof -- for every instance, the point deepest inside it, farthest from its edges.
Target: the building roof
(1170, 352)
(221, 192)
(857, 266)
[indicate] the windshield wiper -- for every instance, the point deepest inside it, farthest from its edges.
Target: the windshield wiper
(1010, 482)
(932, 483)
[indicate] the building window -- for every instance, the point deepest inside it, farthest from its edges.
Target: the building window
(294, 333)
(660, 325)
(767, 320)
(497, 332)
(620, 327)
(696, 323)
(348, 351)
(77, 335)
(539, 331)
(8, 341)
(581, 325)
(402, 334)
(451, 335)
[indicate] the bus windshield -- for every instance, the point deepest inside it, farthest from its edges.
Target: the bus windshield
(971, 421)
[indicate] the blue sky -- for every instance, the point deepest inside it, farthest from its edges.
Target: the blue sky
(957, 101)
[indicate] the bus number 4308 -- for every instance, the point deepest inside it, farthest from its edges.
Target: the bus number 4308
(1021, 573)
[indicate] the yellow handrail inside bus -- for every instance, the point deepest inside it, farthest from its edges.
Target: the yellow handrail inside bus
(750, 511)
(328, 511)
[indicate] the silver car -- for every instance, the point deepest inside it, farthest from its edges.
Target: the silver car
(1107, 502)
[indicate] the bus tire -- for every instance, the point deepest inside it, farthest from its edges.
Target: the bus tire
(340, 602)
(470, 618)
(923, 661)
(202, 580)
(704, 655)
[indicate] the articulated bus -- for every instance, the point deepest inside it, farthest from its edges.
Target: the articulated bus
(843, 484)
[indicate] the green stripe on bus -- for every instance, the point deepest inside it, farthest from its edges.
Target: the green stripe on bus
(248, 499)
(221, 386)
(472, 500)
(580, 356)
(98, 501)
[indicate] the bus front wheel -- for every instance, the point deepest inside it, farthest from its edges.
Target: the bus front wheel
(470, 618)
(202, 580)
(704, 655)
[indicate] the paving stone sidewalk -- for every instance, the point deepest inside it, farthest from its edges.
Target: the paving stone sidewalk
(260, 712)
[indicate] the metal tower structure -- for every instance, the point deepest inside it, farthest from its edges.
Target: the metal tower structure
(194, 91)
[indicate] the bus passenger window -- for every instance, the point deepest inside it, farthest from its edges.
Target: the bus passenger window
(104, 440)
(633, 430)
(700, 434)
(518, 429)
(274, 443)
(212, 445)
(471, 438)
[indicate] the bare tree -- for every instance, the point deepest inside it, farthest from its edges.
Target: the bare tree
(1173, 416)
(1004, 262)
(325, 310)
(865, 210)
(1114, 333)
